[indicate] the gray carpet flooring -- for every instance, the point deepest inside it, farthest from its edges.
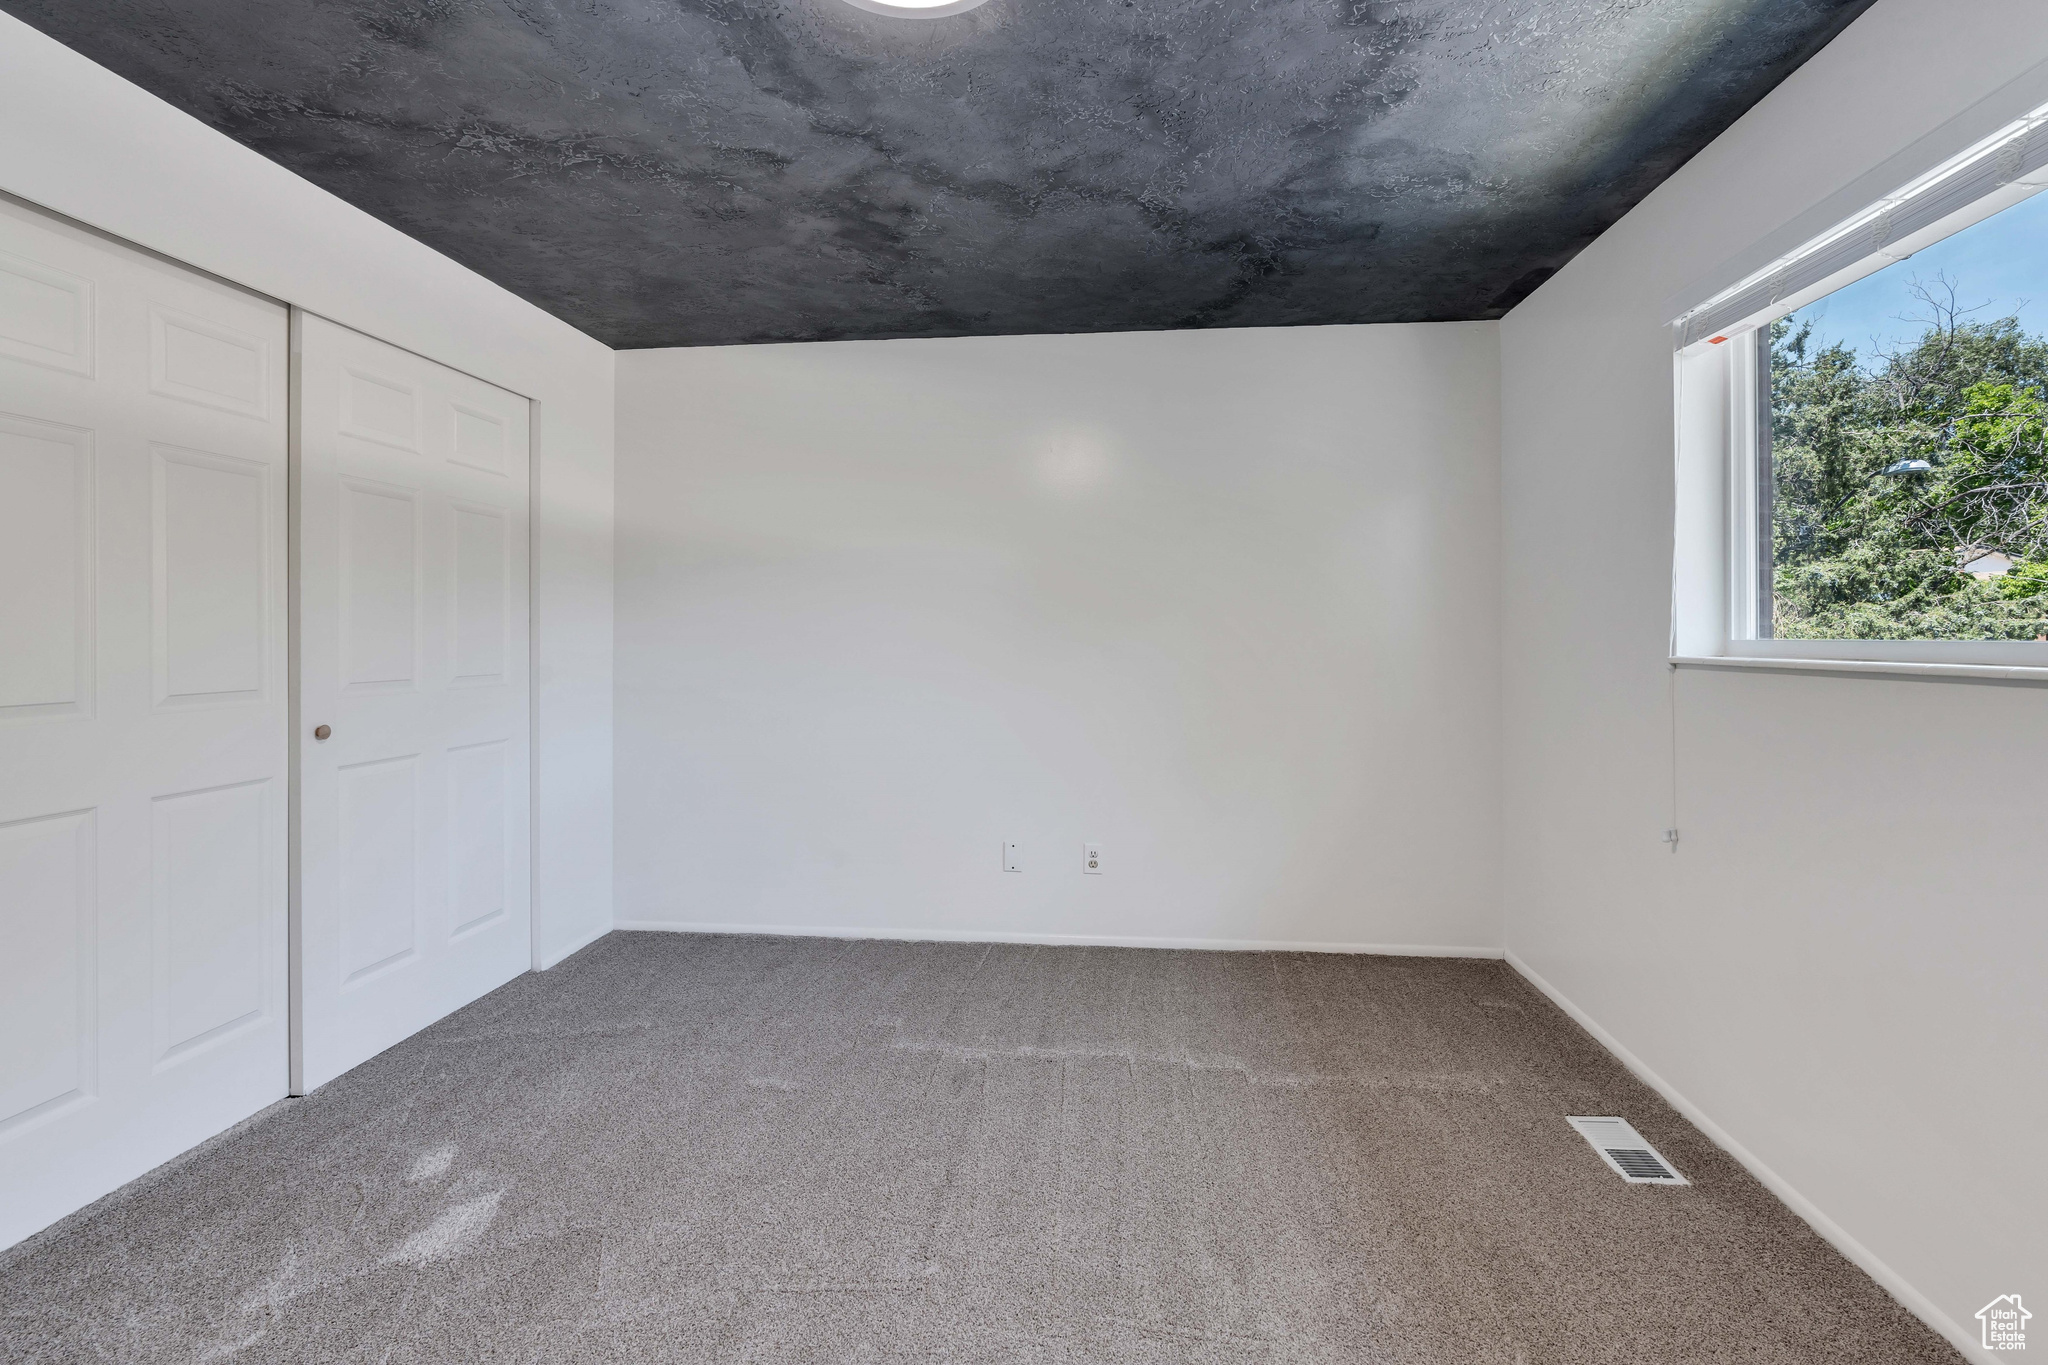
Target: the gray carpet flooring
(750, 1149)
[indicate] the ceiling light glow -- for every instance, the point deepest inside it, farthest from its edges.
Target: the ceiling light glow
(916, 9)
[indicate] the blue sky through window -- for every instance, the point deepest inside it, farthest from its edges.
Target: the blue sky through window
(2001, 262)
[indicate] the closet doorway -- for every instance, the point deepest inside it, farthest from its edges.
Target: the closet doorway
(143, 700)
(265, 773)
(410, 735)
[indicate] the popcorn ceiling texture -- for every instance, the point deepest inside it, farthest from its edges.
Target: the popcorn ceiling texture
(688, 172)
(718, 1149)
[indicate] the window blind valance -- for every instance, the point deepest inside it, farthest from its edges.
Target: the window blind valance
(2013, 160)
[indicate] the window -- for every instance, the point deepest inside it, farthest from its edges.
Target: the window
(1863, 432)
(1901, 447)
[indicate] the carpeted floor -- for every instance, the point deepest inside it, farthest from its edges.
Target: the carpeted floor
(683, 1149)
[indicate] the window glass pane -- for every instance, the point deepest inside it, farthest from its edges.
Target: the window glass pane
(1906, 465)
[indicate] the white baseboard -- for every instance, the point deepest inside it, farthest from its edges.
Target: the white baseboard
(570, 950)
(1895, 1284)
(1076, 940)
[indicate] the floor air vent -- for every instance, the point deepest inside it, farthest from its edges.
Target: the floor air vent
(1623, 1148)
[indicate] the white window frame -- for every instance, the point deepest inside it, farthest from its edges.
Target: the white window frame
(1721, 541)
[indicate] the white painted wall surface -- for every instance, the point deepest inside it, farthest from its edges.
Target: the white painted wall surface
(1839, 968)
(1223, 601)
(85, 143)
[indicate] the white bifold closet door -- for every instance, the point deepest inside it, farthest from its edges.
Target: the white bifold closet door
(143, 713)
(409, 521)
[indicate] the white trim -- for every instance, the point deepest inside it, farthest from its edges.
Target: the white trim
(536, 960)
(1989, 653)
(1856, 1253)
(1238, 945)
(1748, 523)
(1897, 668)
(569, 950)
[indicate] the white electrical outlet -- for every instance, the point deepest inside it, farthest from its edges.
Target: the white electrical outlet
(1013, 858)
(1091, 859)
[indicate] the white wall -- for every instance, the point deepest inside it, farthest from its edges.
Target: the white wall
(83, 142)
(1224, 601)
(1839, 967)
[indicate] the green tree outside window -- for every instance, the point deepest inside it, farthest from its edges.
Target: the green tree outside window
(1892, 479)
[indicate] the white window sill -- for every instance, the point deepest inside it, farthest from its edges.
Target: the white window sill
(1980, 672)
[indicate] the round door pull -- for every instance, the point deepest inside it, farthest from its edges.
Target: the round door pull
(322, 731)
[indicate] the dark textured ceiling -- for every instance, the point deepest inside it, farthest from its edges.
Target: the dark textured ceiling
(684, 172)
